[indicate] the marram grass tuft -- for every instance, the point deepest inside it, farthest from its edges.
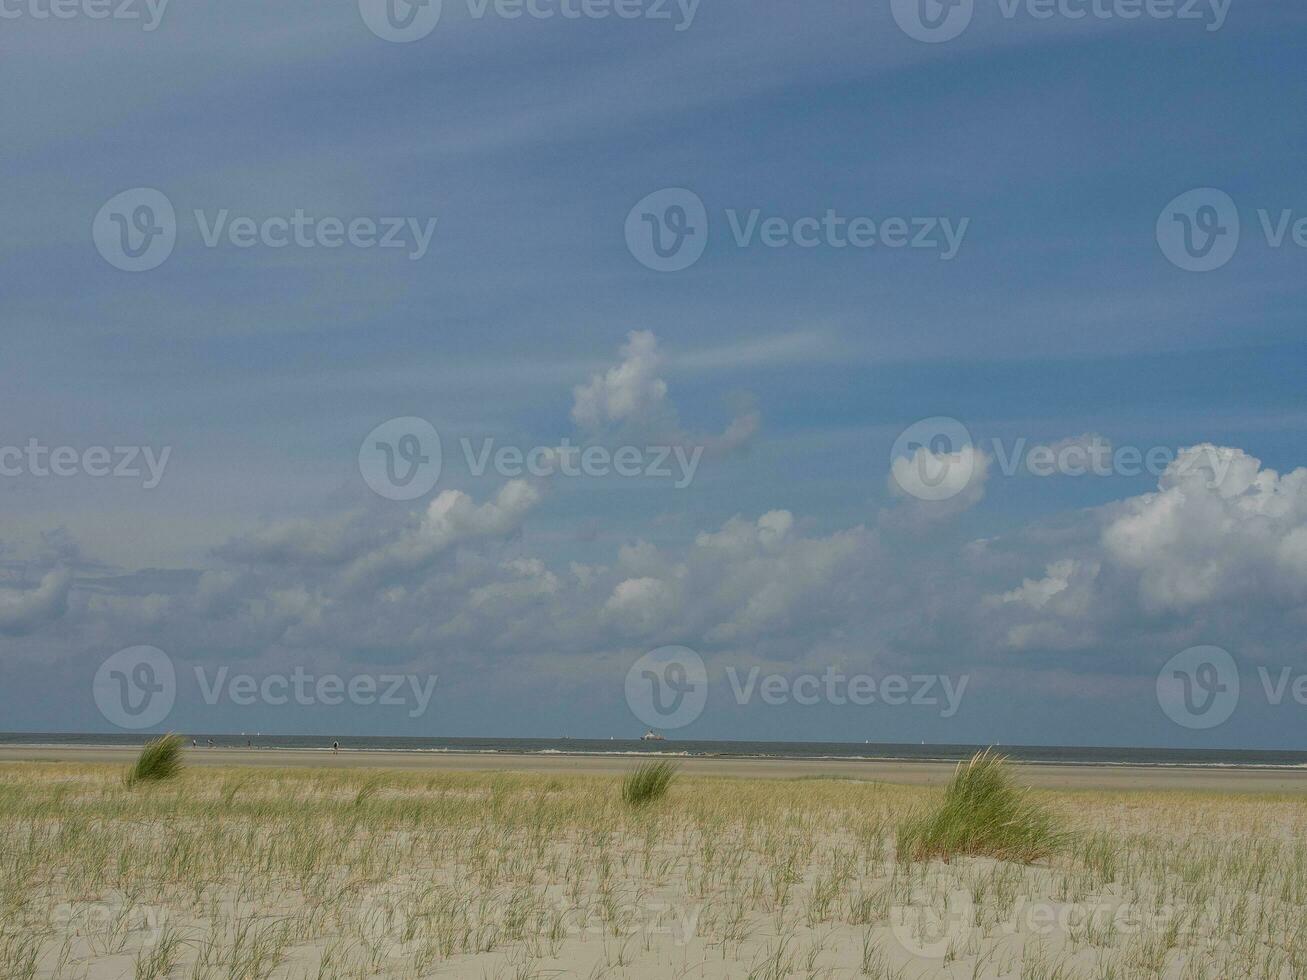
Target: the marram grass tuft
(983, 812)
(647, 783)
(160, 759)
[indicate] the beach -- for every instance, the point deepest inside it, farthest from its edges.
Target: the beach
(1049, 776)
(266, 863)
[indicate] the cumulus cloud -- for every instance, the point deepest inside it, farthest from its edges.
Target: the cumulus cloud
(631, 391)
(1054, 612)
(641, 605)
(936, 486)
(1216, 550)
(1217, 553)
(1072, 456)
(448, 581)
(452, 517)
(630, 399)
(24, 610)
(1038, 593)
(329, 541)
(760, 580)
(1219, 527)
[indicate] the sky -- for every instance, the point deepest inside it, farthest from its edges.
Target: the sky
(855, 302)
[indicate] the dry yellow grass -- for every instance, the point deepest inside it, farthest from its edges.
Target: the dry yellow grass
(327, 873)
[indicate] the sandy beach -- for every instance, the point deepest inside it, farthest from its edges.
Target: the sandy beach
(298, 863)
(1043, 776)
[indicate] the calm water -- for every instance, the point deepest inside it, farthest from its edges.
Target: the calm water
(1064, 755)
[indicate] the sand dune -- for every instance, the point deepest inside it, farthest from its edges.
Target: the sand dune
(310, 865)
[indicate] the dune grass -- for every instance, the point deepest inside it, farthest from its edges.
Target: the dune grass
(159, 760)
(983, 813)
(647, 783)
(300, 873)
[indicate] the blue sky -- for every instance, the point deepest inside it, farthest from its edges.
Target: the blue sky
(1059, 141)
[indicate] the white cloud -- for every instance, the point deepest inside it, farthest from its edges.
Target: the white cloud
(631, 392)
(1218, 527)
(934, 487)
(1037, 593)
(641, 605)
(452, 517)
(631, 400)
(1072, 456)
(24, 610)
(1219, 550)
(301, 541)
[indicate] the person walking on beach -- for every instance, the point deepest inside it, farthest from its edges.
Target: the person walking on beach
(335, 748)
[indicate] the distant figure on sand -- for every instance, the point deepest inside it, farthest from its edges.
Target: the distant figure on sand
(335, 748)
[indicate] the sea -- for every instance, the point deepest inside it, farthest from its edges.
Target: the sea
(879, 751)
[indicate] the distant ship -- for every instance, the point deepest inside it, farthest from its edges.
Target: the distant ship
(651, 736)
